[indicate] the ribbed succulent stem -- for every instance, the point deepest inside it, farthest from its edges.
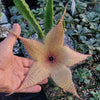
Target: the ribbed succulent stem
(48, 16)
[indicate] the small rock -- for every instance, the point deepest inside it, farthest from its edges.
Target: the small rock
(17, 49)
(3, 30)
(34, 36)
(68, 41)
(3, 18)
(0, 2)
(7, 26)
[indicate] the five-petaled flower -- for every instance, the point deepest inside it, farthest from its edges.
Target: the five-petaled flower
(52, 58)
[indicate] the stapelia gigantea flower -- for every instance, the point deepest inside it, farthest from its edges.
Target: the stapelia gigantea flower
(52, 58)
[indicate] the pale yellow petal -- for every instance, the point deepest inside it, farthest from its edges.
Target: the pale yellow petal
(36, 74)
(34, 48)
(71, 57)
(55, 36)
(63, 78)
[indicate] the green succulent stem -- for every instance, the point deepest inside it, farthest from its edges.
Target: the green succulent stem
(24, 9)
(48, 16)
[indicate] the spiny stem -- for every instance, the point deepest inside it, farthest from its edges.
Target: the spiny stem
(48, 16)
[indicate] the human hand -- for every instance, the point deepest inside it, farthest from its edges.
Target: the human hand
(13, 69)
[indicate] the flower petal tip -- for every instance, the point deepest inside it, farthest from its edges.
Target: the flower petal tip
(61, 20)
(89, 55)
(11, 93)
(79, 97)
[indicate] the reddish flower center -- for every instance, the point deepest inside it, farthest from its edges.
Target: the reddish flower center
(51, 58)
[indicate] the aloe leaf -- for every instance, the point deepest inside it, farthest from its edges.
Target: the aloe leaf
(48, 16)
(24, 9)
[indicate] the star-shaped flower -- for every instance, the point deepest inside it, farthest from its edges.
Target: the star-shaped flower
(52, 59)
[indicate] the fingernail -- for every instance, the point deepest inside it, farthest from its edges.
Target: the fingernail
(14, 27)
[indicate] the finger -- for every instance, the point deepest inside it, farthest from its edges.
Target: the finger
(34, 89)
(44, 81)
(27, 62)
(11, 39)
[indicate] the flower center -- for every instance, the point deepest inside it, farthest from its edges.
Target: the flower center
(51, 58)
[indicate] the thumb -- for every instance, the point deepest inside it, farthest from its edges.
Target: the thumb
(6, 46)
(11, 39)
